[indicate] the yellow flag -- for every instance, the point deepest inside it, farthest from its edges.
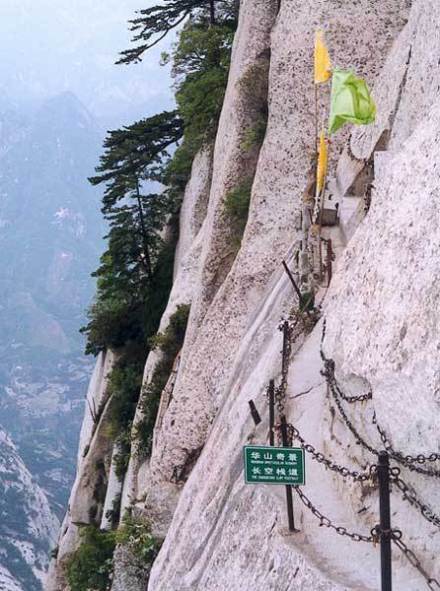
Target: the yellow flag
(321, 170)
(323, 64)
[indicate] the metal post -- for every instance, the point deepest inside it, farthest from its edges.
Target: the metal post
(271, 412)
(385, 520)
(296, 288)
(329, 261)
(292, 280)
(289, 498)
(254, 412)
(285, 360)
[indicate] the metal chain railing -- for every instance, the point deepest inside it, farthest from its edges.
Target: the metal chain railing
(358, 437)
(329, 369)
(415, 562)
(408, 461)
(326, 522)
(281, 390)
(410, 495)
(374, 537)
(330, 464)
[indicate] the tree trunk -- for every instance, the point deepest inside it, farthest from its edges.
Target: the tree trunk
(144, 234)
(212, 12)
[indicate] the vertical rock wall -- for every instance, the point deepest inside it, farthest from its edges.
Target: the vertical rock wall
(221, 525)
(281, 178)
(94, 450)
(380, 311)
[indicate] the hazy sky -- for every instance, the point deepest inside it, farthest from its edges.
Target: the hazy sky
(50, 46)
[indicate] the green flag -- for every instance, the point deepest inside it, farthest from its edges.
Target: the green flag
(351, 101)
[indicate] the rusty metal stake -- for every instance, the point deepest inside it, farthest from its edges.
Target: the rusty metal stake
(292, 280)
(329, 261)
(271, 393)
(295, 287)
(254, 412)
(286, 337)
(289, 497)
(383, 474)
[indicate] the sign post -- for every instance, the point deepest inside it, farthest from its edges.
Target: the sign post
(289, 497)
(271, 393)
(383, 473)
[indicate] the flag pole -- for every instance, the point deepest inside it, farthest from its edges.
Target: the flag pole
(322, 74)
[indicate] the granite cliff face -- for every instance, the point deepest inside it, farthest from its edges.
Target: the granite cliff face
(379, 315)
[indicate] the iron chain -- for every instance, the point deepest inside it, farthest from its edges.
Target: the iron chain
(326, 522)
(415, 562)
(374, 537)
(281, 390)
(411, 497)
(321, 459)
(329, 373)
(406, 460)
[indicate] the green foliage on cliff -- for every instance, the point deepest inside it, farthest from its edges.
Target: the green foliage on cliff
(144, 183)
(137, 156)
(254, 135)
(130, 268)
(90, 566)
(136, 535)
(237, 208)
(201, 60)
(125, 380)
(153, 23)
(169, 344)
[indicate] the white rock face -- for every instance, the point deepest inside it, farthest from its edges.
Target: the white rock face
(281, 178)
(192, 233)
(94, 448)
(113, 494)
(382, 322)
(213, 523)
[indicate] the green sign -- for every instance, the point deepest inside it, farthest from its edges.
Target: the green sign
(274, 465)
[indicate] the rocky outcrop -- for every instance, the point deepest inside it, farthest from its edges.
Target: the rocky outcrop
(206, 545)
(280, 180)
(23, 552)
(94, 459)
(192, 233)
(381, 320)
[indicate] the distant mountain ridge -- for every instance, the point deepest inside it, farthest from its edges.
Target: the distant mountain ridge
(27, 525)
(50, 242)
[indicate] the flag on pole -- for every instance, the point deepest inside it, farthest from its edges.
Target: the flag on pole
(351, 101)
(321, 169)
(323, 64)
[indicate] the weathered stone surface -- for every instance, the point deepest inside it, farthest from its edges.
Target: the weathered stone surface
(192, 235)
(281, 178)
(381, 312)
(194, 205)
(129, 573)
(94, 447)
(189, 414)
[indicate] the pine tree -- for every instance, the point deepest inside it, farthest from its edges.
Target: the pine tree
(154, 23)
(132, 161)
(133, 156)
